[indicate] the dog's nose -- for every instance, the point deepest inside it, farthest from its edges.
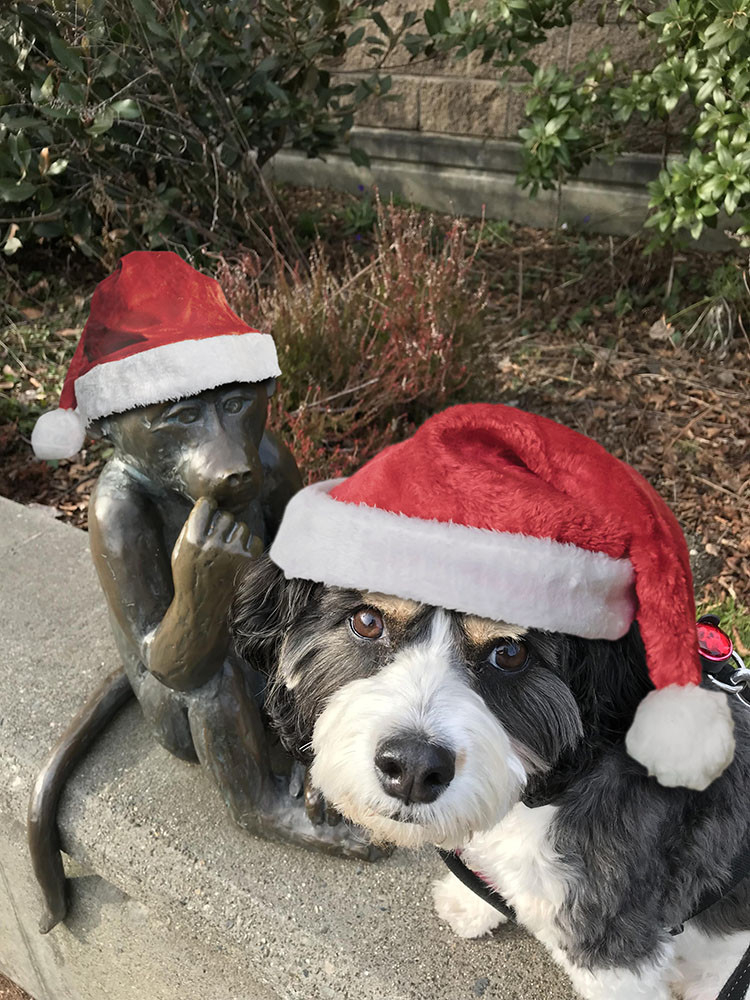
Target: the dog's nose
(413, 770)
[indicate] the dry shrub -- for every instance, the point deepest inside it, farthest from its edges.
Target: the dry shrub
(367, 350)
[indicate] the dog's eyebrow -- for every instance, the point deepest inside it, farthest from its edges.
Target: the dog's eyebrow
(480, 631)
(400, 608)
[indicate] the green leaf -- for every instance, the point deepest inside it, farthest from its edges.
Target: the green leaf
(67, 57)
(102, 123)
(57, 167)
(382, 23)
(717, 34)
(442, 10)
(45, 93)
(16, 191)
(127, 109)
(555, 124)
(355, 38)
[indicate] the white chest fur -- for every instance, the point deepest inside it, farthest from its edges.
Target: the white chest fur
(516, 857)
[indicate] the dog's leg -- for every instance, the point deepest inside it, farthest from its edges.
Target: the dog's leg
(620, 984)
(703, 963)
(467, 914)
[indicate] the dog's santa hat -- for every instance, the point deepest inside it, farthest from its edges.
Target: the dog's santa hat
(158, 330)
(496, 512)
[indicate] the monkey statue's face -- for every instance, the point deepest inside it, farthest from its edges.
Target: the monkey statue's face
(201, 446)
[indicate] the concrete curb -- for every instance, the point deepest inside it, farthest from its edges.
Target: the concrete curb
(463, 175)
(170, 900)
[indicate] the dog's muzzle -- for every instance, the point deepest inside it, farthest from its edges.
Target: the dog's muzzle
(413, 770)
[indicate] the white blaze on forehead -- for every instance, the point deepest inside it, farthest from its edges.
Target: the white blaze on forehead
(423, 691)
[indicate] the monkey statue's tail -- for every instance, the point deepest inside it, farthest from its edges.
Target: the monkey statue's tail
(42, 833)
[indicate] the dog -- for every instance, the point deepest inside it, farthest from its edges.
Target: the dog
(430, 726)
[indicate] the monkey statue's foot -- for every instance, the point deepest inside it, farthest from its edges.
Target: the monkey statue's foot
(298, 814)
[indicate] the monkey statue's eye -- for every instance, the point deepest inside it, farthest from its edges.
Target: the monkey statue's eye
(235, 404)
(510, 655)
(183, 414)
(367, 623)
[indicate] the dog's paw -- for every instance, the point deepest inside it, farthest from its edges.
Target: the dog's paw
(466, 913)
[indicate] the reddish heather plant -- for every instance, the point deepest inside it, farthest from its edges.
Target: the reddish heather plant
(367, 350)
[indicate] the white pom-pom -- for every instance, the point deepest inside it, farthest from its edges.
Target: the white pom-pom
(683, 735)
(58, 434)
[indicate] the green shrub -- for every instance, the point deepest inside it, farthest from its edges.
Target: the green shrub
(700, 69)
(134, 123)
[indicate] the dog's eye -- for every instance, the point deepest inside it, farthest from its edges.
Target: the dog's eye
(367, 623)
(509, 655)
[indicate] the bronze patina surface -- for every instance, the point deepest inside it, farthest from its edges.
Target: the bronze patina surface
(194, 491)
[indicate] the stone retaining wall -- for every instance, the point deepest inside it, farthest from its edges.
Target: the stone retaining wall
(449, 139)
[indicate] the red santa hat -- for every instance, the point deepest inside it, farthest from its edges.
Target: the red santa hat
(158, 330)
(499, 513)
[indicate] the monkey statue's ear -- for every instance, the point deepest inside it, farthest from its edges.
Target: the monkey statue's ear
(262, 610)
(270, 387)
(97, 429)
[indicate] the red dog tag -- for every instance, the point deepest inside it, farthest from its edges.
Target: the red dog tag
(713, 643)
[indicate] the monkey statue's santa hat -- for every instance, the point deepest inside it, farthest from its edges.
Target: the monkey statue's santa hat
(496, 512)
(158, 330)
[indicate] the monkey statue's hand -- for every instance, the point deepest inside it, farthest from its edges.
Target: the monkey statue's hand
(317, 809)
(188, 646)
(212, 548)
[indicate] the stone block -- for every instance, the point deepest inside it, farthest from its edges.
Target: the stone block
(399, 111)
(555, 51)
(623, 41)
(463, 107)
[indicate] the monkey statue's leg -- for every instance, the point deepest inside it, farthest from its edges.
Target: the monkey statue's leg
(231, 743)
(41, 830)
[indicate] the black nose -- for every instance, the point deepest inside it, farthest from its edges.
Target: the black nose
(413, 770)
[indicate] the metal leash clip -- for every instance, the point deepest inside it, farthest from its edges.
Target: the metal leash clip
(722, 664)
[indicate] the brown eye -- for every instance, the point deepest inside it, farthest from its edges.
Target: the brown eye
(509, 655)
(367, 623)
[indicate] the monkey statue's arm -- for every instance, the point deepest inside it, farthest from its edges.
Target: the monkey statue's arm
(281, 480)
(173, 610)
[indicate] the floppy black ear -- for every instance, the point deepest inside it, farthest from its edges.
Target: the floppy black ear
(609, 679)
(262, 610)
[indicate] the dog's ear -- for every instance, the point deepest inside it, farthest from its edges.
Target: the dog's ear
(609, 679)
(263, 608)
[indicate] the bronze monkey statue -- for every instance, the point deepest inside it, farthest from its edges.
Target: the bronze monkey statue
(194, 490)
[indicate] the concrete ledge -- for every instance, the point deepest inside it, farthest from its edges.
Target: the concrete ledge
(465, 176)
(170, 900)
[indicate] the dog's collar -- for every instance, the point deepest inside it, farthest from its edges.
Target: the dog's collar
(476, 882)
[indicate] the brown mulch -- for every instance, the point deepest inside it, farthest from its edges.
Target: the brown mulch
(574, 331)
(677, 412)
(9, 990)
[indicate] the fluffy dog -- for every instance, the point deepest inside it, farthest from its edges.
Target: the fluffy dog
(432, 727)
(531, 697)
